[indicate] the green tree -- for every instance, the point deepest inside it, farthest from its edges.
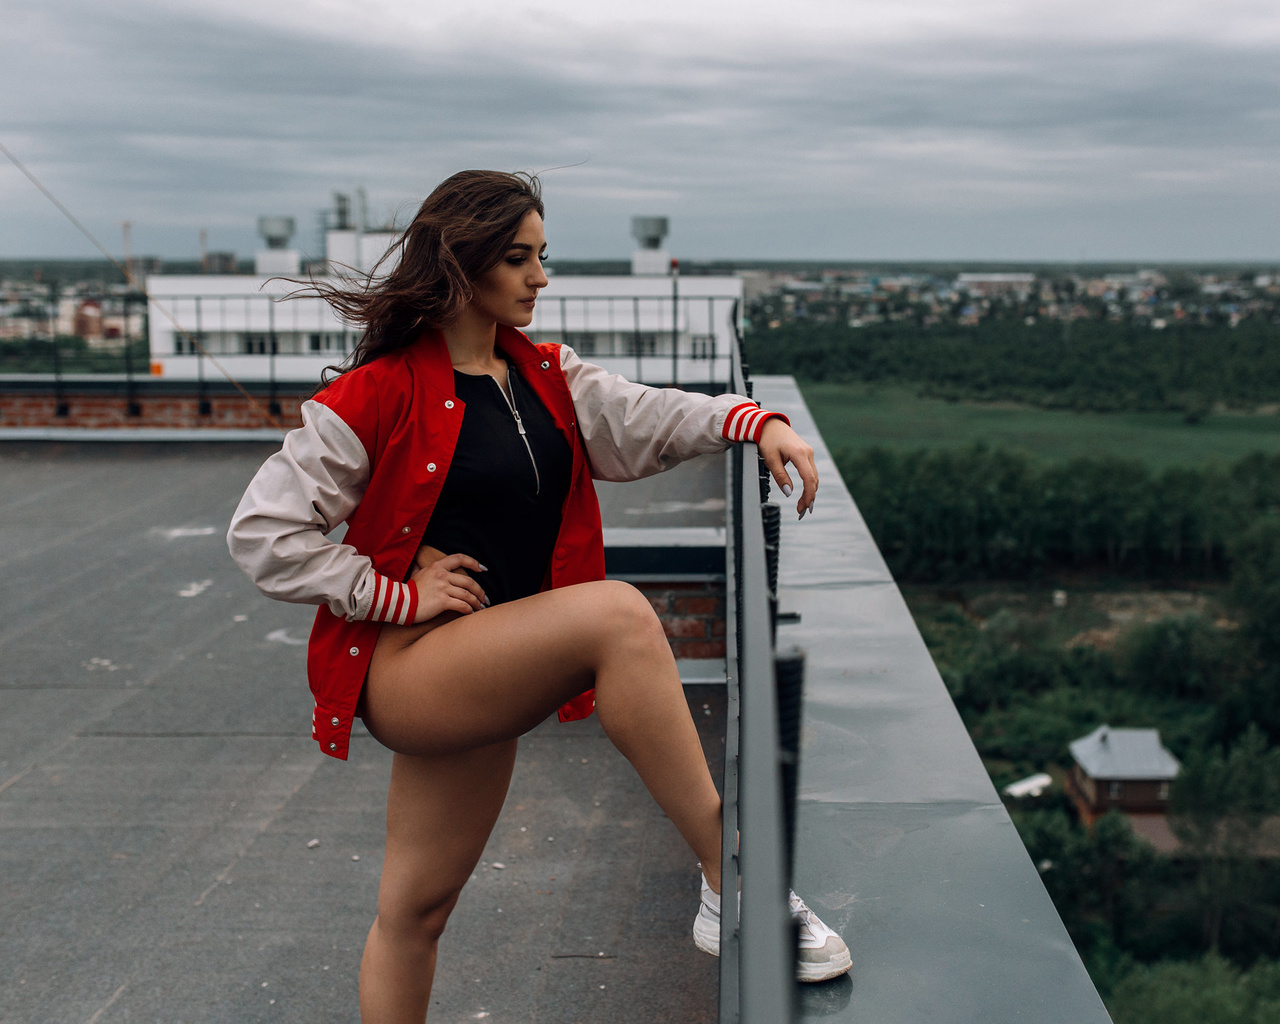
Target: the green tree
(1184, 656)
(1096, 877)
(1218, 807)
(1208, 991)
(1255, 582)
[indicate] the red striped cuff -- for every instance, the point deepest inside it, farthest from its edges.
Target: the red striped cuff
(745, 422)
(393, 602)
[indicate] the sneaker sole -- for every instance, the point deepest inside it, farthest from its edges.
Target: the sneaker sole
(833, 968)
(805, 972)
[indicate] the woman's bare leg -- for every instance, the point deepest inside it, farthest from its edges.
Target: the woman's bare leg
(481, 680)
(440, 811)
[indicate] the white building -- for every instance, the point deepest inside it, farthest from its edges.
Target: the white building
(656, 329)
(989, 284)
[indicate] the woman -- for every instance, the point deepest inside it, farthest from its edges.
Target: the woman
(468, 600)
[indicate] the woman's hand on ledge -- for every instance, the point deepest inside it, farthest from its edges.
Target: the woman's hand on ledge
(443, 587)
(779, 444)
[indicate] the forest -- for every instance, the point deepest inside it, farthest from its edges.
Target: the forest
(1060, 594)
(1096, 364)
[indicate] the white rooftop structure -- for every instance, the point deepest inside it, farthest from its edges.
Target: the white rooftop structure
(1032, 785)
(1125, 755)
(650, 328)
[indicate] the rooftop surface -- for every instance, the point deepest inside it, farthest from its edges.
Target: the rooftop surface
(159, 789)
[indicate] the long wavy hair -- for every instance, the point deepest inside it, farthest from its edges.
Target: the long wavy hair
(462, 230)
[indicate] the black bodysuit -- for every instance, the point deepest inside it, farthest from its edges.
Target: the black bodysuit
(502, 501)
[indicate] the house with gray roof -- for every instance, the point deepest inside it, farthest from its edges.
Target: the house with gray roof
(1126, 769)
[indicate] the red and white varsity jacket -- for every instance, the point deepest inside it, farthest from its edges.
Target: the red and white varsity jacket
(373, 452)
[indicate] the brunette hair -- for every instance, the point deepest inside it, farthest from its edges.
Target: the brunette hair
(463, 229)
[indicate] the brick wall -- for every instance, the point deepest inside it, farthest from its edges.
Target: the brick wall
(693, 616)
(40, 409)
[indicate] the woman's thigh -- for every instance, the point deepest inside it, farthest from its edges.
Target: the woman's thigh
(495, 674)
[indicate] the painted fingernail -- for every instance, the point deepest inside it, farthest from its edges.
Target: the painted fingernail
(786, 490)
(487, 602)
(483, 568)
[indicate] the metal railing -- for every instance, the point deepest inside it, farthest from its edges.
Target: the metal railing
(757, 944)
(657, 339)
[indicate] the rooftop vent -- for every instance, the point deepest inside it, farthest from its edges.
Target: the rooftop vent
(649, 231)
(276, 231)
(650, 260)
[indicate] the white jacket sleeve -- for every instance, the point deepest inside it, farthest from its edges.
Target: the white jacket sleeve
(302, 492)
(633, 430)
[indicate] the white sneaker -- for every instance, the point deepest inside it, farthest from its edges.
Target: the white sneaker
(822, 954)
(706, 926)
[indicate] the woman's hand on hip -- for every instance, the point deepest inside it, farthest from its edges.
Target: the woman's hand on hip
(779, 444)
(443, 586)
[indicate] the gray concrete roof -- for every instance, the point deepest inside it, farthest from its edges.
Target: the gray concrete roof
(1124, 754)
(159, 787)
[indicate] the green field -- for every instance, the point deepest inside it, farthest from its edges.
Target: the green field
(860, 415)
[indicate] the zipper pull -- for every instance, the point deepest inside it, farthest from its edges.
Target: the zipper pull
(519, 422)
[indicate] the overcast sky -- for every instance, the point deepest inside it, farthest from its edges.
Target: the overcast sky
(824, 129)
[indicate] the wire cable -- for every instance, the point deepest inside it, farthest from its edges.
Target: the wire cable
(133, 282)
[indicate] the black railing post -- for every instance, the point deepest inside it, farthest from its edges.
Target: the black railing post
(274, 404)
(789, 671)
(203, 406)
(771, 519)
(675, 323)
(61, 408)
(711, 332)
(132, 407)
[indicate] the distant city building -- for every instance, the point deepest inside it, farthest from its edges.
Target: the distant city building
(991, 284)
(219, 263)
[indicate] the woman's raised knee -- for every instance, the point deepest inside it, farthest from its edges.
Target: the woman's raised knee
(626, 610)
(626, 620)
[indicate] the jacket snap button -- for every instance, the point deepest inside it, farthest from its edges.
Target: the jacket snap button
(334, 720)
(333, 746)
(546, 365)
(431, 467)
(405, 530)
(354, 651)
(448, 403)
(560, 553)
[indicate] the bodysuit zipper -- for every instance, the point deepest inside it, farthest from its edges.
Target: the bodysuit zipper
(511, 404)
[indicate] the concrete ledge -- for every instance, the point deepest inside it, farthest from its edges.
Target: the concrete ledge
(902, 843)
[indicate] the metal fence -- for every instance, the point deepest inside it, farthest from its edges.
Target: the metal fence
(757, 944)
(658, 339)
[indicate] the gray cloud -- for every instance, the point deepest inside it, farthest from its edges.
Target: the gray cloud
(945, 145)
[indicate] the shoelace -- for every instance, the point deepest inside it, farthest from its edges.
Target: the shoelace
(801, 912)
